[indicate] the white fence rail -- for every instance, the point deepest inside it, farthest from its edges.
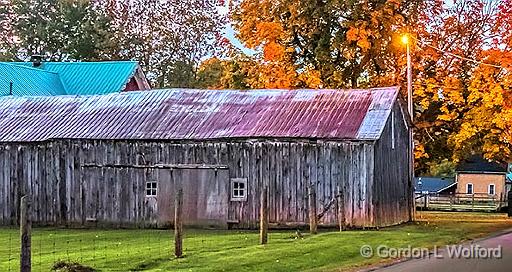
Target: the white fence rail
(460, 202)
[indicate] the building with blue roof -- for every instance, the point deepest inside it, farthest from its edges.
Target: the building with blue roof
(38, 78)
(434, 185)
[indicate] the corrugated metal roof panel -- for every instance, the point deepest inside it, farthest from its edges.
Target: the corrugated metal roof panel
(432, 184)
(199, 114)
(88, 78)
(28, 81)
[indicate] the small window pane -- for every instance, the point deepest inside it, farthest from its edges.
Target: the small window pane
(238, 187)
(151, 188)
(491, 189)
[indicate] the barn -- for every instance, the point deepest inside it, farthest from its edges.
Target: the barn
(117, 159)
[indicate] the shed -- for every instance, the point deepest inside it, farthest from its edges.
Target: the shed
(434, 185)
(117, 158)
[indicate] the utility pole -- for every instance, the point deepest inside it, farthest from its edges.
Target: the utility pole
(409, 82)
(410, 109)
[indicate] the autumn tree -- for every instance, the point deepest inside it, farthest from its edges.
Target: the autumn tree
(448, 69)
(486, 125)
(345, 43)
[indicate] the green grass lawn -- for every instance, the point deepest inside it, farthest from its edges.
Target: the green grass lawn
(206, 250)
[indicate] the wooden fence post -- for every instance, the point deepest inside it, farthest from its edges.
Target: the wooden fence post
(472, 202)
(178, 224)
(25, 235)
(509, 199)
(313, 219)
(341, 210)
(264, 216)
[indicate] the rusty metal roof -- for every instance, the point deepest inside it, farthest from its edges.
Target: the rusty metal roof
(178, 114)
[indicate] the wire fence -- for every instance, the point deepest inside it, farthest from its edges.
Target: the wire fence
(124, 249)
(105, 250)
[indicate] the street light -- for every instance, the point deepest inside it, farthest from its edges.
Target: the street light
(405, 39)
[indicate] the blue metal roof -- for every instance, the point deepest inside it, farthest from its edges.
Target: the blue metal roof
(29, 81)
(73, 78)
(432, 184)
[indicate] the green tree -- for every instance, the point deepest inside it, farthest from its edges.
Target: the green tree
(444, 168)
(169, 38)
(57, 29)
(215, 73)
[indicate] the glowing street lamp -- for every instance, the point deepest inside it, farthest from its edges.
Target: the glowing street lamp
(405, 39)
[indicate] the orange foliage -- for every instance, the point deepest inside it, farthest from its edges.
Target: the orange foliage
(272, 51)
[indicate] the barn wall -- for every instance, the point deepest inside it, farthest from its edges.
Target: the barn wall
(66, 193)
(392, 187)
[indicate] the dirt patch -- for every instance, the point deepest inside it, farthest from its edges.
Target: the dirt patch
(62, 266)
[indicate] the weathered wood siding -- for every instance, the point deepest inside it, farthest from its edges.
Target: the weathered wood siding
(392, 188)
(64, 192)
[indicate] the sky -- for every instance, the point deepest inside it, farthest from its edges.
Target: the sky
(229, 32)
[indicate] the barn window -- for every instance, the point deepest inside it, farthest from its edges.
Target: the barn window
(491, 189)
(151, 188)
(469, 188)
(238, 189)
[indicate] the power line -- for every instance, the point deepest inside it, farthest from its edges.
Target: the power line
(459, 56)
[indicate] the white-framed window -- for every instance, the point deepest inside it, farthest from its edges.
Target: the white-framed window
(469, 188)
(238, 189)
(492, 189)
(151, 188)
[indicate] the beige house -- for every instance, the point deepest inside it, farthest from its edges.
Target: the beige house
(480, 177)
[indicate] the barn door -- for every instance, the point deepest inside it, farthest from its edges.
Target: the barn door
(205, 195)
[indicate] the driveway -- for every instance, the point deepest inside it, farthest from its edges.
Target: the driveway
(443, 262)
